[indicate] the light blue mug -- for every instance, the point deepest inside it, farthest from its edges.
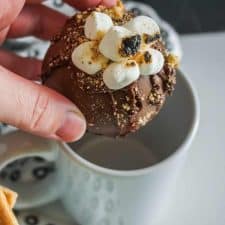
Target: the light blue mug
(104, 181)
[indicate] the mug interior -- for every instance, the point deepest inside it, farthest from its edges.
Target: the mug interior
(175, 125)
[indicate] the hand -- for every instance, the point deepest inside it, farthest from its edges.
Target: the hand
(23, 103)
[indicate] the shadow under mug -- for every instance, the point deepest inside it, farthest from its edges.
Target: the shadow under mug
(95, 195)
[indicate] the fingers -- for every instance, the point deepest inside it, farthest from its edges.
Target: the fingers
(43, 22)
(26, 67)
(9, 10)
(34, 1)
(3, 34)
(84, 4)
(109, 3)
(37, 109)
(37, 20)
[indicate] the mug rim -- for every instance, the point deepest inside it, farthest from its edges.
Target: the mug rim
(137, 172)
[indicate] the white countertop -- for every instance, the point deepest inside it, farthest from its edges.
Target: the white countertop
(200, 196)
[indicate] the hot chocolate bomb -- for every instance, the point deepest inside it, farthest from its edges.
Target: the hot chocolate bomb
(113, 66)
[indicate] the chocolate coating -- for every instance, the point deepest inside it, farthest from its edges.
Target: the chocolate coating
(108, 112)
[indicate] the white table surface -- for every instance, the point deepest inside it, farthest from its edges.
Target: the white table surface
(200, 195)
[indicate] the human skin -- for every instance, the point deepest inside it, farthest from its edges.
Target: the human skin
(24, 103)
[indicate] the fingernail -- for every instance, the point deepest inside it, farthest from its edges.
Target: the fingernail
(73, 127)
(109, 3)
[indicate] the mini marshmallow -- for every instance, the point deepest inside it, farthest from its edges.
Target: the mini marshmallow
(97, 25)
(143, 25)
(119, 75)
(112, 47)
(152, 62)
(87, 58)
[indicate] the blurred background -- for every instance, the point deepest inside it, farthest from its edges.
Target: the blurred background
(174, 16)
(191, 16)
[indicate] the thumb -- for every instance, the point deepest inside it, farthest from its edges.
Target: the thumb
(37, 109)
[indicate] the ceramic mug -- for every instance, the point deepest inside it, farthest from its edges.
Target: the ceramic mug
(118, 189)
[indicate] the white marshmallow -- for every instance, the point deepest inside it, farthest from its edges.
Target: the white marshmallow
(120, 75)
(112, 41)
(155, 64)
(85, 58)
(97, 24)
(143, 25)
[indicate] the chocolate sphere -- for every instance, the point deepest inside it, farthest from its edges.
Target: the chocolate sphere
(108, 112)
